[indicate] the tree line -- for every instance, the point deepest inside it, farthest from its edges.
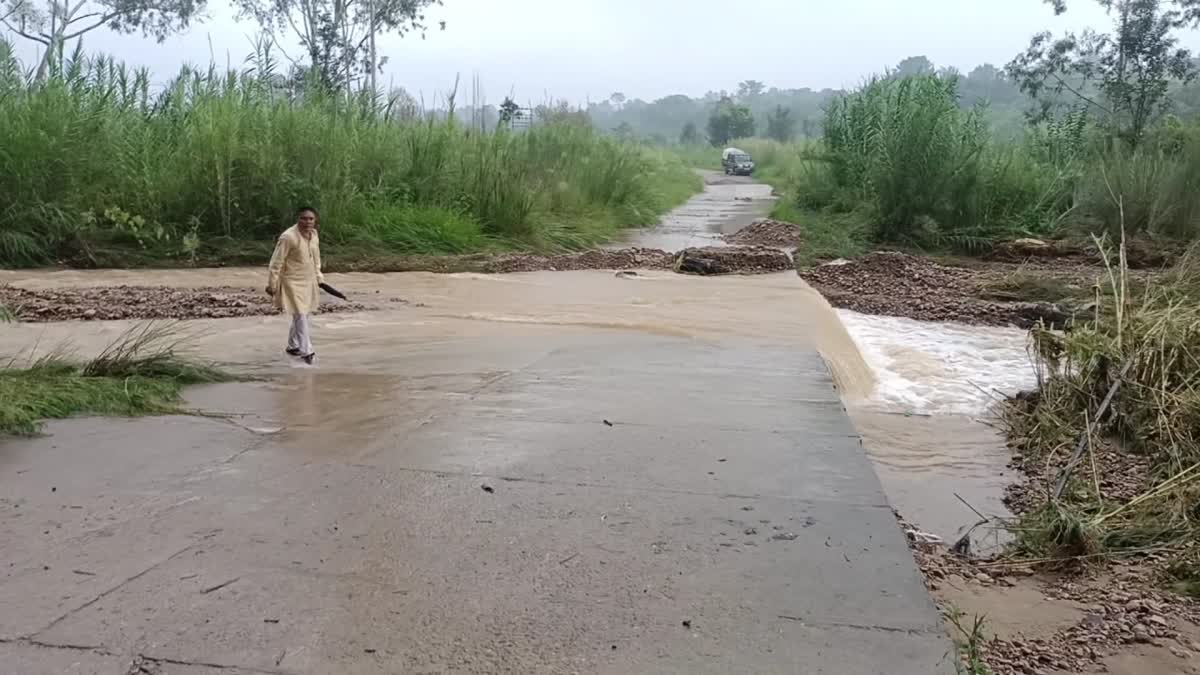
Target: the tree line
(1131, 76)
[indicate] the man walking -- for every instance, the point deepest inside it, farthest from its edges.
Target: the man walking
(295, 271)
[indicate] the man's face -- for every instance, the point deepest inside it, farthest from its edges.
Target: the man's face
(307, 222)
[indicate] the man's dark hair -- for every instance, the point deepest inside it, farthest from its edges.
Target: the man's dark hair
(310, 209)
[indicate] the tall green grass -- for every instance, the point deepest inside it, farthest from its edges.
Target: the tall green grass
(1153, 189)
(95, 161)
(926, 168)
(904, 159)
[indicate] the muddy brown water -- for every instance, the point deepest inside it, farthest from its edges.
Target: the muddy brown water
(918, 418)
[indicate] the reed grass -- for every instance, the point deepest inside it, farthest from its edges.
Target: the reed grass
(905, 160)
(98, 167)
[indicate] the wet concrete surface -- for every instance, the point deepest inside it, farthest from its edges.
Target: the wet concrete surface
(652, 504)
(727, 204)
(528, 473)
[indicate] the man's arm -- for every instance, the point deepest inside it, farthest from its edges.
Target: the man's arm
(317, 257)
(275, 269)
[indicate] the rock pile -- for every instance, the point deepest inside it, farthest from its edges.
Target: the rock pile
(767, 232)
(898, 284)
(143, 302)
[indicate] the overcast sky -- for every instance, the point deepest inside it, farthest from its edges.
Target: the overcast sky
(587, 49)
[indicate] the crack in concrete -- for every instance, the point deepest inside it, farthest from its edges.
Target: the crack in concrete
(99, 650)
(158, 660)
(926, 630)
(41, 644)
(111, 590)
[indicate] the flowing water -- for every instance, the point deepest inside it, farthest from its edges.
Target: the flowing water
(929, 421)
(919, 393)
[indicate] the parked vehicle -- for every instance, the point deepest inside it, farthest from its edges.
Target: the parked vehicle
(737, 162)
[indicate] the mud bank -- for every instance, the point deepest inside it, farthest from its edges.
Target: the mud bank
(1110, 621)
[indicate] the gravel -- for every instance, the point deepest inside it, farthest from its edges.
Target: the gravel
(767, 232)
(144, 302)
(898, 284)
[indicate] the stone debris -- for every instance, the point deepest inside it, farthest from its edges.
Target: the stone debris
(105, 303)
(1123, 607)
(767, 232)
(898, 284)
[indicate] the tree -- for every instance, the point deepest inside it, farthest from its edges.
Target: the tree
(781, 126)
(53, 23)
(624, 131)
(690, 135)
(339, 35)
(509, 111)
(1189, 10)
(561, 112)
(617, 99)
(1122, 77)
(729, 120)
(914, 65)
(750, 89)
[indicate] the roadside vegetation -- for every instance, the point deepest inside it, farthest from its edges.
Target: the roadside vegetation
(919, 158)
(904, 165)
(99, 169)
(1115, 423)
(141, 373)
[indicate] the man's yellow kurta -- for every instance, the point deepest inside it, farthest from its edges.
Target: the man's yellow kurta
(295, 272)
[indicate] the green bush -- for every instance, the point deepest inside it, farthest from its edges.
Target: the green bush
(926, 167)
(902, 155)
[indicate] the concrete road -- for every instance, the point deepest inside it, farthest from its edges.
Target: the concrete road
(602, 502)
(727, 204)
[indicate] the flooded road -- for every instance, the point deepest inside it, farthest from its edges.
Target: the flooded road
(540, 472)
(727, 204)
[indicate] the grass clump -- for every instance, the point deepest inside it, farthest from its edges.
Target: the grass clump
(99, 168)
(1023, 285)
(1135, 486)
(827, 236)
(969, 640)
(140, 373)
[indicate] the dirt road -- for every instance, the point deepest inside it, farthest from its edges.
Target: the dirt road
(534, 473)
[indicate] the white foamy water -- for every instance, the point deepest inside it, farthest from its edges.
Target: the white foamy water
(940, 368)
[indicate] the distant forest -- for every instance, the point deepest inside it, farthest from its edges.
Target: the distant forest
(666, 119)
